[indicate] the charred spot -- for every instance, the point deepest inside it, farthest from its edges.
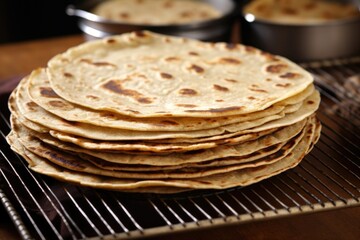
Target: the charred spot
(196, 68)
(166, 75)
(290, 75)
(68, 75)
(285, 85)
(228, 60)
(310, 102)
(276, 68)
(193, 53)
(186, 105)
(187, 91)
(116, 87)
(48, 92)
(220, 88)
(251, 98)
(217, 110)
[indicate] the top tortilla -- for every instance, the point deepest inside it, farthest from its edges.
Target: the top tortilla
(143, 74)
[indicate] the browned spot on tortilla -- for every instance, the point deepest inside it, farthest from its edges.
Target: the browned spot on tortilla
(230, 80)
(285, 85)
(48, 92)
(68, 75)
(108, 115)
(186, 14)
(116, 87)
(58, 104)
(254, 85)
(193, 53)
(220, 88)
(196, 68)
(166, 75)
(269, 57)
(98, 64)
(110, 40)
(217, 110)
(124, 15)
(140, 34)
(92, 97)
(290, 75)
(186, 105)
(229, 60)
(251, 98)
(268, 80)
(219, 100)
(31, 105)
(257, 90)
(187, 91)
(172, 59)
(276, 68)
(167, 40)
(310, 102)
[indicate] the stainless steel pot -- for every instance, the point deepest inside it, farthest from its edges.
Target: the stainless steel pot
(218, 29)
(335, 39)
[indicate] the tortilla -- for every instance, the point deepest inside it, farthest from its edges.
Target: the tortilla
(240, 177)
(143, 74)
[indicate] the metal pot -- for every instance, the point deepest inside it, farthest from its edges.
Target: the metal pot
(329, 40)
(218, 29)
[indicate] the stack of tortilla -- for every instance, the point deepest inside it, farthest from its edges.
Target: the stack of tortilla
(146, 112)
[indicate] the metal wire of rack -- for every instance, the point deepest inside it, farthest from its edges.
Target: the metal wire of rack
(328, 178)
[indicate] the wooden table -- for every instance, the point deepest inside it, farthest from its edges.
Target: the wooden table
(20, 58)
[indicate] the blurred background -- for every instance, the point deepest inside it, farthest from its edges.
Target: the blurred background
(22, 20)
